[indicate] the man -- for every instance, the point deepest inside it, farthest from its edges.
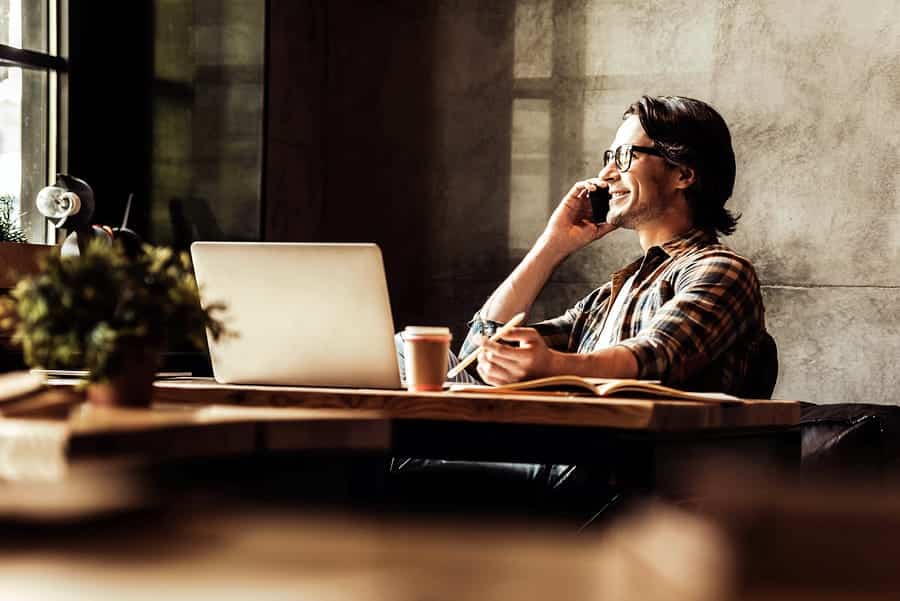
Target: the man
(689, 312)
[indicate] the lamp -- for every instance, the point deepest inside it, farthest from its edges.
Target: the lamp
(70, 203)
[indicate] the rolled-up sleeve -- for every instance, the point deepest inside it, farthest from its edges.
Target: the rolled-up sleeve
(560, 333)
(556, 332)
(476, 328)
(716, 300)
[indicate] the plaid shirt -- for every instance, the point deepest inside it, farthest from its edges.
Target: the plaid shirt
(693, 318)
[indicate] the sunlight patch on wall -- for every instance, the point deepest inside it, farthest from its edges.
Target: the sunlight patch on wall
(530, 172)
(534, 39)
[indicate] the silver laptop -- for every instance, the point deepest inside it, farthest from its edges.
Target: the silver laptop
(302, 314)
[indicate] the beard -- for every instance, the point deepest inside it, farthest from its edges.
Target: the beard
(648, 209)
(633, 217)
(620, 220)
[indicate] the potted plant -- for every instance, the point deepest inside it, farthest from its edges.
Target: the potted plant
(111, 315)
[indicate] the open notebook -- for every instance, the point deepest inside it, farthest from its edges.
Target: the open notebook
(602, 387)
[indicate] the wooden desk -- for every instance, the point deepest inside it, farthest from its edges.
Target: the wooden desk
(641, 441)
(637, 436)
(534, 409)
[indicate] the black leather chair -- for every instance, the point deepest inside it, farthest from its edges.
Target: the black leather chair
(859, 439)
(763, 370)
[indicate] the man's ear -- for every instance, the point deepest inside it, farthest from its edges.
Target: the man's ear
(686, 177)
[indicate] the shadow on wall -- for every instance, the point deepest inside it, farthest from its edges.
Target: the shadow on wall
(192, 220)
(417, 138)
(207, 108)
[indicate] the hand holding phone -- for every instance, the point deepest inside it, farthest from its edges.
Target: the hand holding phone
(599, 204)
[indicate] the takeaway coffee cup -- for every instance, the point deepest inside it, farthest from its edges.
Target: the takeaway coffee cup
(425, 353)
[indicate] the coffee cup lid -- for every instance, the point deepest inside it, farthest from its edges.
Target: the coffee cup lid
(426, 331)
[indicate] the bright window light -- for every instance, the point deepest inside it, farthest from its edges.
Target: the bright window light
(11, 112)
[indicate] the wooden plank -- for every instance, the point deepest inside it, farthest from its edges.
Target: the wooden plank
(294, 429)
(225, 430)
(637, 414)
(42, 448)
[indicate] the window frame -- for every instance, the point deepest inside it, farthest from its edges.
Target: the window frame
(55, 63)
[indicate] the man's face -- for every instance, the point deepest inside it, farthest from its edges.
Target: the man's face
(643, 194)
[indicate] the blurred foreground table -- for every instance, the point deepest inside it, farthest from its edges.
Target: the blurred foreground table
(256, 555)
(752, 539)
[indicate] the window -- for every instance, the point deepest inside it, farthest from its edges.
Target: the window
(32, 84)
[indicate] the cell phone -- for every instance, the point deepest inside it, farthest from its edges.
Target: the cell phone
(599, 204)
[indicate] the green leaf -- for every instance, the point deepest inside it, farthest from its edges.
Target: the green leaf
(87, 311)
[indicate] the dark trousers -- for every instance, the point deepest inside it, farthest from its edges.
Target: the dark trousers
(568, 493)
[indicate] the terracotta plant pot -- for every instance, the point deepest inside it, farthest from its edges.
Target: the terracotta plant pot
(19, 260)
(131, 388)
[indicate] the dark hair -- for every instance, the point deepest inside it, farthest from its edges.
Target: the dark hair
(690, 133)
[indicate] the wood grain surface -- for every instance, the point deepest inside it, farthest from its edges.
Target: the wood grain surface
(43, 448)
(658, 415)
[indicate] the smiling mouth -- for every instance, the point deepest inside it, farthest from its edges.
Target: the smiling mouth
(618, 194)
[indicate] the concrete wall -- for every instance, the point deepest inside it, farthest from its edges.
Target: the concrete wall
(805, 89)
(466, 120)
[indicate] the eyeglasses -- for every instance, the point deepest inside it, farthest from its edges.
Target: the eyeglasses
(623, 155)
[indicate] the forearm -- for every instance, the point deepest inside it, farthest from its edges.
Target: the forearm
(612, 362)
(519, 290)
